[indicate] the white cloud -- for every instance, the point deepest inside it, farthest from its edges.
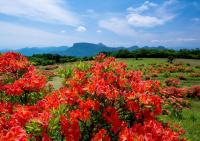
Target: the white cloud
(118, 26)
(147, 15)
(187, 39)
(63, 31)
(145, 6)
(160, 16)
(143, 21)
(17, 36)
(99, 31)
(90, 10)
(81, 29)
(167, 11)
(176, 40)
(162, 41)
(155, 41)
(39, 10)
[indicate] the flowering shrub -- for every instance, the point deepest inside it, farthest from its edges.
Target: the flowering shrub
(25, 81)
(172, 82)
(165, 68)
(147, 132)
(101, 100)
(29, 82)
(174, 100)
(13, 62)
(194, 91)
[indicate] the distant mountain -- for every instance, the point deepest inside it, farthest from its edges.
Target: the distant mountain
(90, 49)
(36, 50)
(86, 49)
(78, 49)
(5, 50)
(132, 48)
(156, 48)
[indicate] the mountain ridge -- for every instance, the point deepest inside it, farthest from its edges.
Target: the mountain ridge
(80, 49)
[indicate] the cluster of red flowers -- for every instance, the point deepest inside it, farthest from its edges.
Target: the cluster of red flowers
(26, 78)
(13, 62)
(151, 131)
(30, 82)
(174, 98)
(19, 79)
(165, 67)
(172, 82)
(194, 91)
(101, 101)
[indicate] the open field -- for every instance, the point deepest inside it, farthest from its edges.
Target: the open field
(147, 62)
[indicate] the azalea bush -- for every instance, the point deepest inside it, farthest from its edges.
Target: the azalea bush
(174, 100)
(19, 79)
(166, 68)
(194, 92)
(101, 100)
(172, 82)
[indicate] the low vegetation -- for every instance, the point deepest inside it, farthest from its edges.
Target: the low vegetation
(50, 59)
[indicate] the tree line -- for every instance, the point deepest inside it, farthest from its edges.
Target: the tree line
(50, 59)
(154, 53)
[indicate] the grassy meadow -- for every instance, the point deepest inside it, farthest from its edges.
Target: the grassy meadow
(186, 70)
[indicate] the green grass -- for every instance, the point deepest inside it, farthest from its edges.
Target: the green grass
(57, 82)
(146, 61)
(190, 121)
(193, 62)
(190, 81)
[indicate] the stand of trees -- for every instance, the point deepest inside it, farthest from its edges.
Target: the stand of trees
(154, 53)
(50, 59)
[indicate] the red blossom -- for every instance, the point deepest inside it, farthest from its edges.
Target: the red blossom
(150, 130)
(101, 136)
(15, 134)
(13, 62)
(70, 129)
(172, 82)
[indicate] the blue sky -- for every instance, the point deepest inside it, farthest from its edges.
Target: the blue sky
(41, 23)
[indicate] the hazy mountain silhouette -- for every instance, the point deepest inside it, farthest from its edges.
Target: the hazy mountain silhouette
(78, 49)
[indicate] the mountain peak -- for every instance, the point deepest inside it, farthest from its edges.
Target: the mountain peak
(84, 44)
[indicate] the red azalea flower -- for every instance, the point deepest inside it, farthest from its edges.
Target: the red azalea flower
(15, 134)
